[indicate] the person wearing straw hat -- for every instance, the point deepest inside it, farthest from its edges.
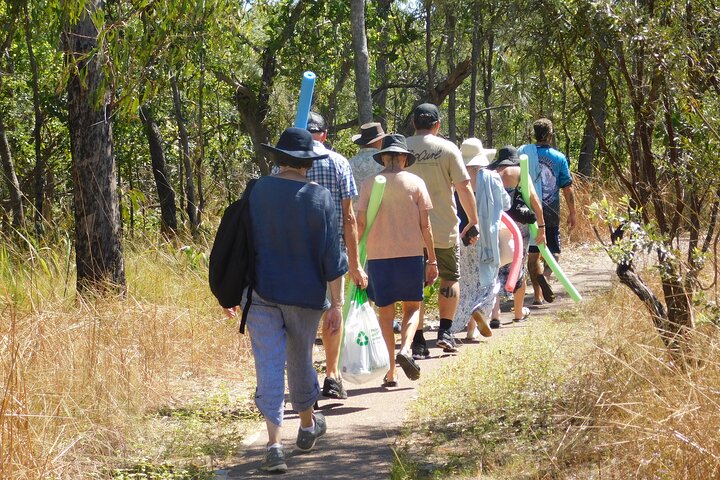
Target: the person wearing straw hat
(294, 228)
(370, 141)
(396, 265)
(482, 261)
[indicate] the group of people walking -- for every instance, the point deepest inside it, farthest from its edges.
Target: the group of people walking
(305, 230)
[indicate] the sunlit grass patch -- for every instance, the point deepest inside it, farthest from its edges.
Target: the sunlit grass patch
(478, 410)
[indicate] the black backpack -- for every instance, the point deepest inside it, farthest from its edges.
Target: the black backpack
(232, 258)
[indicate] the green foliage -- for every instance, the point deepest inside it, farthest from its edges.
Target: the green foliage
(164, 471)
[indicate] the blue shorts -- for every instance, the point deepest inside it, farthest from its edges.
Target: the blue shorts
(393, 280)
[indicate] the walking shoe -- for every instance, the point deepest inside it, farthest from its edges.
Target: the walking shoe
(495, 323)
(334, 389)
(406, 362)
(419, 351)
(446, 341)
(397, 327)
(274, 460)
(306, 440)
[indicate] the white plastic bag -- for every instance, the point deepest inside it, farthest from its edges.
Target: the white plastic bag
(364, 357)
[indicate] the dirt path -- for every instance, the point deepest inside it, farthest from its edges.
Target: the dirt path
(362, 429)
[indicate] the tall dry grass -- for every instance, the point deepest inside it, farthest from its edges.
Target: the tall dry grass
(589, 394)
(82, 376)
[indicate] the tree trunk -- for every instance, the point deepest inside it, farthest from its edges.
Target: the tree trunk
(200, 153)
(166, 194)
(98, 249)
(428, 50)
(595, 123)
(37, 128)
(185, 152)
(11, 180)
(488, 88)
(362, 61)
(451, 22)
(381, 63)
(474, 60)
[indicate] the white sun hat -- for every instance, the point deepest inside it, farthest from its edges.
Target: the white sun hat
(474, 154)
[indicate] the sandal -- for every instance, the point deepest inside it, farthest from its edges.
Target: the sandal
(389, 383)
(525, 315)
(406, 362)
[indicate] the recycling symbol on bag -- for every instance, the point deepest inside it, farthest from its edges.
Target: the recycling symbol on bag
(362, 339)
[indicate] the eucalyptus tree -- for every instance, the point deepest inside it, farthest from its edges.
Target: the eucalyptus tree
(362, 61)
(98, 251)
(661, 141)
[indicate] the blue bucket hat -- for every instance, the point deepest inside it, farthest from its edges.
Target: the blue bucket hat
(294, 144)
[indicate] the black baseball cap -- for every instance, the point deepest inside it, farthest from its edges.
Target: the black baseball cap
(426, 114)
(316, 123)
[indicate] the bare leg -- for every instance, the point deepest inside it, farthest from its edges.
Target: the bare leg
(518, 299)
(306, 418)
(496, 308)
(410, 321)
(387, 315)
(274, 433)
(331, 342)
(535, 270)
(449, 298)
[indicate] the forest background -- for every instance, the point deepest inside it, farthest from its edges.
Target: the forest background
(126, 127)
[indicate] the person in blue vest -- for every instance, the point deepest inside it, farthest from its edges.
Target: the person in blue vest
(297, 253)
(550, 174)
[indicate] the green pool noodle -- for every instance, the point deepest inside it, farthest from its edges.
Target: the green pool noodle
(549, 259)
(376, 195)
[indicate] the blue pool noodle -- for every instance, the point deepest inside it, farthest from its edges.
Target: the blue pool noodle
(306, 94)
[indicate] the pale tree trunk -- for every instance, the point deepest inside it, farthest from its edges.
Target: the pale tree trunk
(200, 155)
(381, 63)
(451, 22)
(185, 152)
(362, 61)
(166, 194)
(37, 129)
(428, 50)
(474, 60)
(11, 181)
(98, 249)
(488, 86)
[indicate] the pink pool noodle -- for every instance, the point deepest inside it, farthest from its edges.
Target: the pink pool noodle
(516, 264)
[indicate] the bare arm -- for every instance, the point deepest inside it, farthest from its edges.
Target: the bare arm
(569, 195)
(333, 317)
(537, 208)
(431, 267)
(467, 200)
(357, 274)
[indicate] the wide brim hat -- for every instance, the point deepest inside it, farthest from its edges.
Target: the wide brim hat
(294, 144)
(475, 155)
(394, 143)
(507, 157)
(369, 133)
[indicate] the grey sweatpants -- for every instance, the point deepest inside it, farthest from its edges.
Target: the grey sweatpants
(279, 334)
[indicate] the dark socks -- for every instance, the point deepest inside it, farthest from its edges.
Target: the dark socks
(419, 338)
(445, 324)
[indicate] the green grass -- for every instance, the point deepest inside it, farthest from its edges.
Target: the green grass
(493, 407)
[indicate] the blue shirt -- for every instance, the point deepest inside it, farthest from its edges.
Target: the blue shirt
(297, 244)
(549, 172)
